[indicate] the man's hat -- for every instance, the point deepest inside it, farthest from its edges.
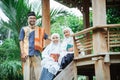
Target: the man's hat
(31, 13)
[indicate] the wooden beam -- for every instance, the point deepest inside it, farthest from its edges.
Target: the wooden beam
(95, 27)
(46, 17)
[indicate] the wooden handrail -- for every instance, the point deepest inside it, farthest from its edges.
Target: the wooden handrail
(93, 28)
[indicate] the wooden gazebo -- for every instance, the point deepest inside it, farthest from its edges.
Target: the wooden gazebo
(97, 41)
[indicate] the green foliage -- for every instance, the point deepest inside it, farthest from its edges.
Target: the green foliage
(75, 23)
(113, 15)
(71, 21)
(91, 20)
(16, 11)
(9, 51)
(10, 70)
(10, 66)
(3, 33)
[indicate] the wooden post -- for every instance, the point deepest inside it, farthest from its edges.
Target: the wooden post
(76, 53)
(46, 17)
(102, 70)
(99, 18)
(75, 71)
(99, 12)
(86, 13)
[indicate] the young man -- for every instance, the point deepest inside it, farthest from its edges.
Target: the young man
(31, 43)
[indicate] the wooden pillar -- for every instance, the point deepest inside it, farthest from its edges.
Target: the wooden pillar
(46, 17)
(86, 20)
(86, 13)
(99, 18)
(102, 70)
(99, 12)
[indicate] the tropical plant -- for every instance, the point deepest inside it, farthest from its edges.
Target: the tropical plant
(113, 15)
(10, 66)
(75, 23)
(11, 70)
(16, 11)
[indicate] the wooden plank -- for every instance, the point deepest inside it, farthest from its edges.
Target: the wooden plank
(84, 46)
(90, 42)
(114, 42)
(87, 46)
(114, 35)
(115, 38)
(88, 49)
(115, 45)
(84, 62)
(114, 32)
(67, 73)
(96, 55)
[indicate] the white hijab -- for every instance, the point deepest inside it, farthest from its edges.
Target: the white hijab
(67, 40)
(52, 47)
(48, 61)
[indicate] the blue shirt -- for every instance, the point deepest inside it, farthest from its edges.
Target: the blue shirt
(31, 36)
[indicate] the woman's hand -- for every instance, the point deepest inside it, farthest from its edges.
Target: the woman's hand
(70, 49)
(55, 56)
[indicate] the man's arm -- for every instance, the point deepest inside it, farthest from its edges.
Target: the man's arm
(23, 56)
(22, 48)
(21, 38)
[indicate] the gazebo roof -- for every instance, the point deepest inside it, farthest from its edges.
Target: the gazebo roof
(79, 3)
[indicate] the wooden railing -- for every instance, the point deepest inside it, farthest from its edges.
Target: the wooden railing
(83, 40)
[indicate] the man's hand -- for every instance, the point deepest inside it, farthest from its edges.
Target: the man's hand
(23, 57)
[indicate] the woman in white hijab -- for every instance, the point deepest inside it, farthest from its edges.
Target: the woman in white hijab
(67, 47)
(50, 62)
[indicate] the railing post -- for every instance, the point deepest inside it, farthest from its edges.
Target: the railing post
(76, 52)
(108, 39)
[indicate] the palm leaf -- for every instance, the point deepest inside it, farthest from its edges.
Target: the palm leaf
(16, 11)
